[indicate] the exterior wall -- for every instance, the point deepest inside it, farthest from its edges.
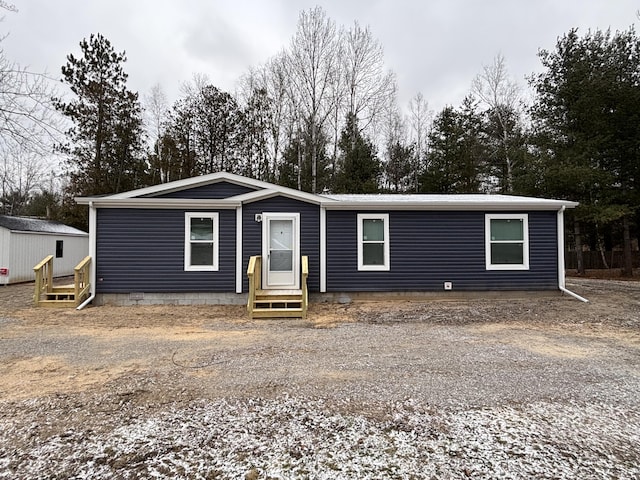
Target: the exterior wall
(142, 250)
(213, 191)
(25, 250)
(430, 248)
(5, 244)
(309, 234)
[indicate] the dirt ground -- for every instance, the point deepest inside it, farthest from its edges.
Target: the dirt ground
(63, 351)
(97, 368)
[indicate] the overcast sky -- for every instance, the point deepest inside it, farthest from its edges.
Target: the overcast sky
(434, 46)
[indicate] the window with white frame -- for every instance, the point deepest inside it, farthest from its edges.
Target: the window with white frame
(507, 241)
(201, 241)
(373, 241)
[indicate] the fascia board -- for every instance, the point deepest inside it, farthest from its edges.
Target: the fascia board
(213, 178)
(171, 186)
(110, 202)
(51, 234)
(450, 206)
(285, 192)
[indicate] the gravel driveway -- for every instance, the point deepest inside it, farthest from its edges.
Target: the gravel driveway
(540, 387)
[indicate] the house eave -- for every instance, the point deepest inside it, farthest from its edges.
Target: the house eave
(157, 203)
(448, 206)
(52, 234)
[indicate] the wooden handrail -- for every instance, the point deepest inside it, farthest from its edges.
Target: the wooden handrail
(81, 278)
(44, 278)
(254, 270)
(305, 293)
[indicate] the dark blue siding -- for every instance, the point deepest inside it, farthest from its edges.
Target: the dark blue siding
(212, 191)
(142, 250)
(309, 233)
(429, 248)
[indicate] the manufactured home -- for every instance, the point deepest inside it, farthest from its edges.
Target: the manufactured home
(26, 241)
(224, 238)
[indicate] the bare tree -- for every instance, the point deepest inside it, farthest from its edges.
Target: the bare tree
(22, 174)
(29, 129)
(501, 96)
(399, 171)
(27, 116)
(420, 122)
(368, 84)
(313, 68)
(156, 109)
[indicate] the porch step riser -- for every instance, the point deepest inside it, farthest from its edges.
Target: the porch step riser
(276, 312)
(278, 298)
(57, 303)
(277, 305)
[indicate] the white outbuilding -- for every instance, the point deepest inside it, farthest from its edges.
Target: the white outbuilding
(24, 242)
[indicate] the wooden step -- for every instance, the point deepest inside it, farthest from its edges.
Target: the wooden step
(59, 296)
(278, 293)
(57, 303)
(276, 312)
(293, 303)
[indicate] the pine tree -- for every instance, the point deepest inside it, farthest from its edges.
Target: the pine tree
(587, 118)
(360, 168)
(456, 158)
(105, 141)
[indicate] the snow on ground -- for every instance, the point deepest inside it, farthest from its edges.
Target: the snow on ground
(289, 437)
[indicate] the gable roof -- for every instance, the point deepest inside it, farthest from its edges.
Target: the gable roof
(148, 197)
(36, 225)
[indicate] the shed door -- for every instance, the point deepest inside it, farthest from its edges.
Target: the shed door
(280, 251)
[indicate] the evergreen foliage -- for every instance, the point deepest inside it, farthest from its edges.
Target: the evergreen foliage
(587, 115)
(360, 168)
(105, 141)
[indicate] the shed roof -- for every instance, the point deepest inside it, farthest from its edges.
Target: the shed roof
(37, 225)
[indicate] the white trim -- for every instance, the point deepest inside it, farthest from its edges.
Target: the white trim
(239, 250)
(212, 178)
(386, 241)
(525, 240)
(158, 202)
(560, 227)
(52, 234)
(266, 216)
(467, 202)
(187, 242)
(93, 240)
(323, 250)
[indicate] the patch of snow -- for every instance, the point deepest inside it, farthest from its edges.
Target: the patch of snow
(300, 438)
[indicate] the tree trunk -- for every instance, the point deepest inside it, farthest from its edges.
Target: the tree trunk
(627, 270)
(578, 239)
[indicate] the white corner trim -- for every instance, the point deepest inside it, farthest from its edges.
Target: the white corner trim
(93, 239)
(239, 250)
(323, 250)
(560, 239)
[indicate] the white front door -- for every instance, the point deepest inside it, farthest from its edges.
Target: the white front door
(281, 251)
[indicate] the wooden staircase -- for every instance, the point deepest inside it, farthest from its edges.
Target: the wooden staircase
(276, 303)
(61, 296)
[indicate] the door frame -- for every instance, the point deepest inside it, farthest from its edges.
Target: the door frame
(266, 217)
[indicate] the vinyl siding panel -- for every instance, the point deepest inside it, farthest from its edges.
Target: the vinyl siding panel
(213, 191)
(140, 250)
(429, 248)
(309, 233)
(21, 251)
